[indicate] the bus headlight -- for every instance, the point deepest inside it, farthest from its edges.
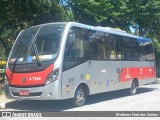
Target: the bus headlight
(52, 76)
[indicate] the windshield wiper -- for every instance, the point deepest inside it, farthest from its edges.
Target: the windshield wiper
(37, 55)
(35, 48)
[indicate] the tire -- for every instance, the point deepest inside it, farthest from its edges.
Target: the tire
(79, 97)
(133, 89)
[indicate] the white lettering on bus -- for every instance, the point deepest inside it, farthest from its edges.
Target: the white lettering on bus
(35, 78)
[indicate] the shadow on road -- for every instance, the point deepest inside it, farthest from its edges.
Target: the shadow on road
(66, 104)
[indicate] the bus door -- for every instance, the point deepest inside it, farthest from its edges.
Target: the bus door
(75, 66)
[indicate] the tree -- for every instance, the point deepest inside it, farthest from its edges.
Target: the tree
(117, 13)
(20, 14)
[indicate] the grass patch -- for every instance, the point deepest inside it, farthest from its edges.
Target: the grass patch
(2, 71)
(1, 89)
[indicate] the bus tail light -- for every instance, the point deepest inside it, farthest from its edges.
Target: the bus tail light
(52, 76)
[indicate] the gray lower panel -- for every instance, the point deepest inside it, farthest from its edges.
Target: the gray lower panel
(48, 92)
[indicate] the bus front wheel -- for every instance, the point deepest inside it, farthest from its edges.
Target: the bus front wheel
(80, 97)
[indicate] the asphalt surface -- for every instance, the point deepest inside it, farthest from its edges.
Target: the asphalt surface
(146, 99)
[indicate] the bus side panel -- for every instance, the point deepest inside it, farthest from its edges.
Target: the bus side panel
(71, 78)
(89, 73)
(105, 76)
(115, 71)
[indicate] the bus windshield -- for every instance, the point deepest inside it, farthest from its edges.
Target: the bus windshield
(41, 40)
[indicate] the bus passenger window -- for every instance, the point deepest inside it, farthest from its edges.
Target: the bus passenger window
(127, 56)
(129, 49)
(147, 51)
(94, 51)
(72, 50)
(112, 55)
(75, 48)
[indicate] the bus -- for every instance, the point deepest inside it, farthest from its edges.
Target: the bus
(64, 60)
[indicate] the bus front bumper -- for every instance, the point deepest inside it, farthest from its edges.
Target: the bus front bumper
(47, 92)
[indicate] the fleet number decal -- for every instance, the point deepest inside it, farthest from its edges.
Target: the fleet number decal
(35, 78)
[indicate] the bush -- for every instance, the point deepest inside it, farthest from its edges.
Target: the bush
(1, 89)
(2, 64)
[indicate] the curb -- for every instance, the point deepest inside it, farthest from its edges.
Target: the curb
(2, 105)
(4, 102)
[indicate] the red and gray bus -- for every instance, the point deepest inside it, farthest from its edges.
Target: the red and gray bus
(63, 60)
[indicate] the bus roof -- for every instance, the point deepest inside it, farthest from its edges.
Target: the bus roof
(99, 28)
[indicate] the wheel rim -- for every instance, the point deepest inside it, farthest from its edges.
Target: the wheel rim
(80, 97)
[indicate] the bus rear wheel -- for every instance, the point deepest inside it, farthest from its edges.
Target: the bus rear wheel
(80, 97)
(133, 89)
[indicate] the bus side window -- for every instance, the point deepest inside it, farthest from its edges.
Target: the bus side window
(147, 51)
(69, 46)
(75, 48)
(111, 47)
(97, 45)
(69, 54)
(72, 49)
(128, 49)
(94, 51)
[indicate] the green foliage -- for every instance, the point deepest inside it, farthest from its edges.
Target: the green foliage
(2, 53)
(1, 89)
(117, 13)
(20, 14)
(157, 55)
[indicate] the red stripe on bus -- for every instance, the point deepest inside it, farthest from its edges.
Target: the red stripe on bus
(32, 79)
(140, 73)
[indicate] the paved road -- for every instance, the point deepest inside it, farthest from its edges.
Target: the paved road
(147, 99)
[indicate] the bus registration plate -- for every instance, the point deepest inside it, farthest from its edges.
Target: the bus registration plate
(24, 93)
